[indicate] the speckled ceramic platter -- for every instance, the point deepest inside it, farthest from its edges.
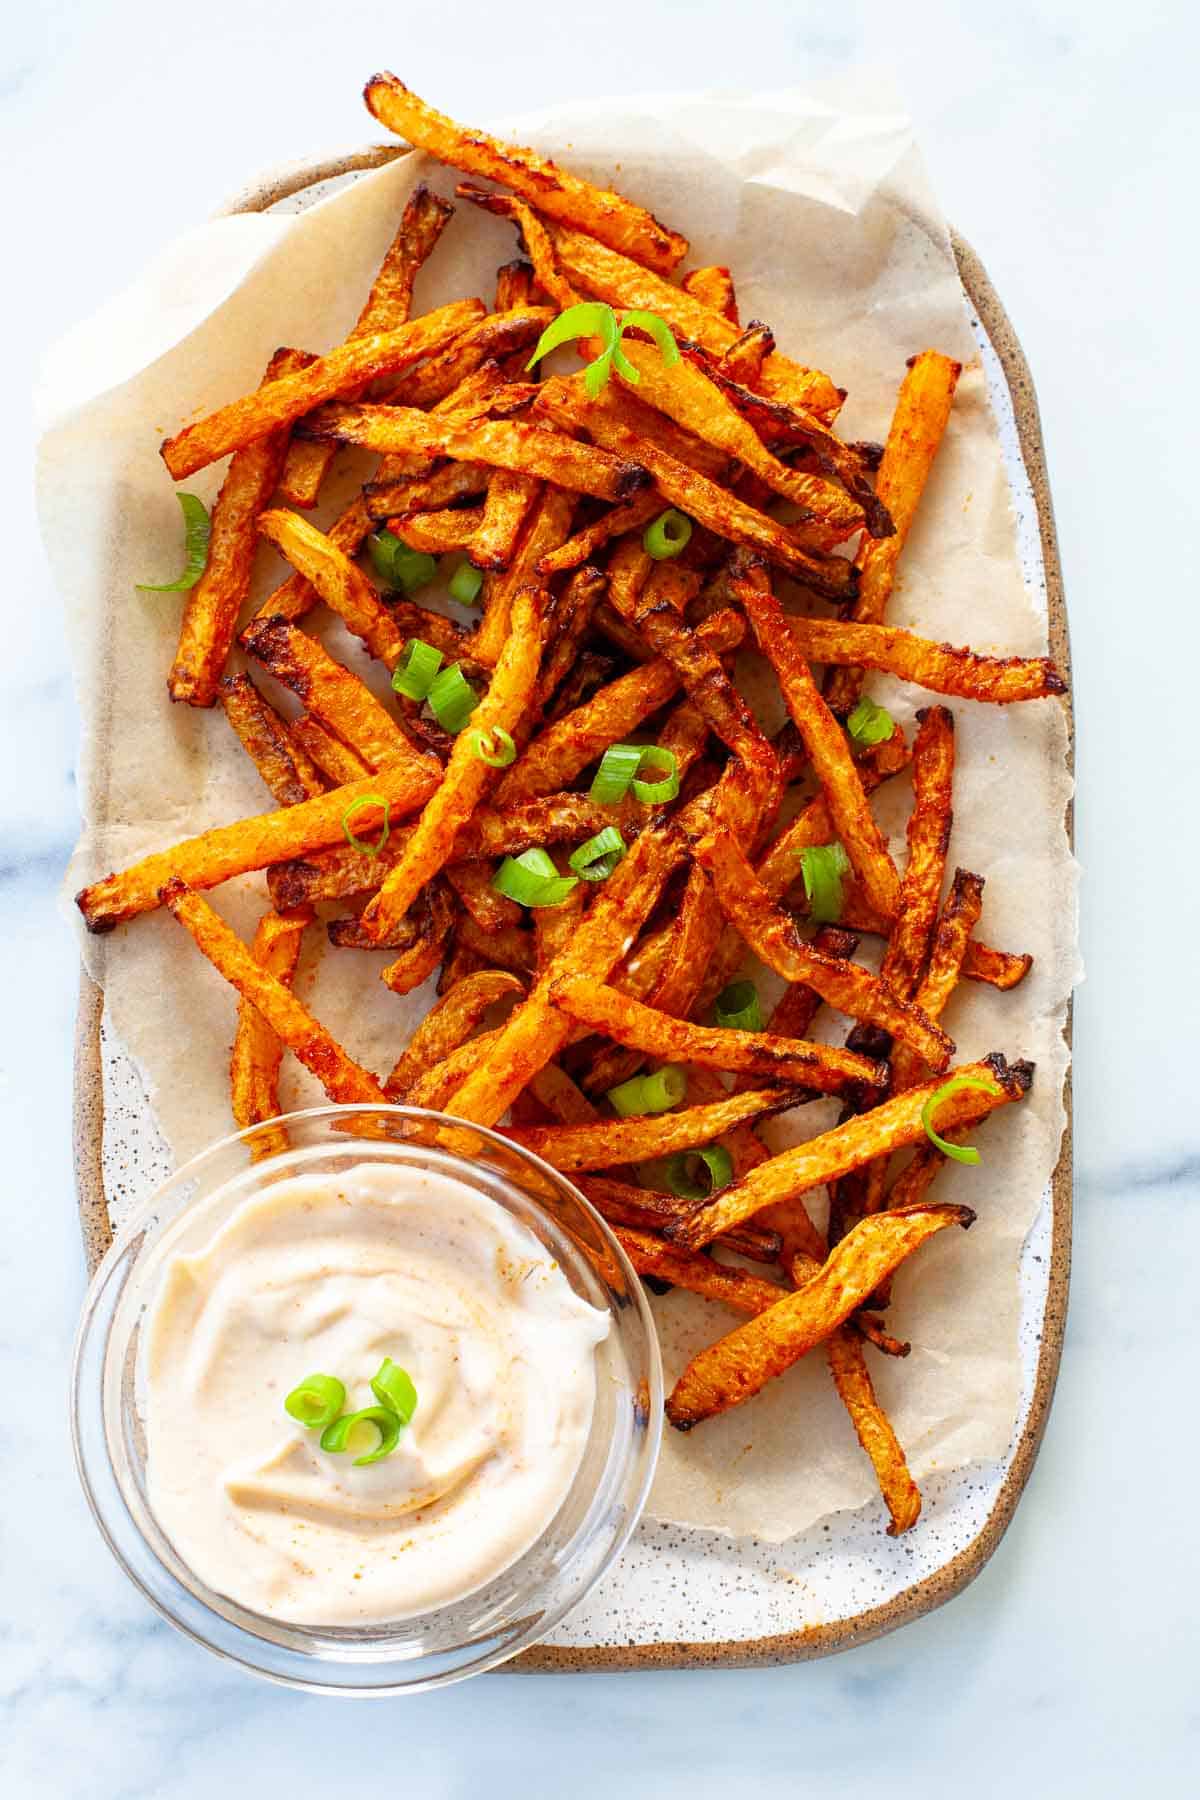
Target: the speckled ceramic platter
(680, 1597)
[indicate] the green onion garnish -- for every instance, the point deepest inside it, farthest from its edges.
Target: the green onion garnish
(355, 806)
(655, 792)
(397, 566)
(493, 747)
(389, 1424)
(964, 1153)
(393, 1387)
(452, 698)
(667, 535)
(197, 528)
(592, 318)
(465, 584)
(870, 724)
(414, 674)
(649, 1093)
(823, 866)
(737, 1007)
(684, 1179)
(618, 766)
(317, 1401)
(531, 879)
(598, 857)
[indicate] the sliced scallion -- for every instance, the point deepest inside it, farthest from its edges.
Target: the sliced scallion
(398, 566)
(197, 529)
(414, 674)
(963, 1153)
(316, 1402)
(737, 1008)
(356, 806)
(466, 584)
(393, 1387)
(869, 724)
(531, 879)
(596, 859)
(336, 1437)
(494, 747)
(452, 699)
(654, 1093)
(683, 1176)
(667, 535)
(823, 867)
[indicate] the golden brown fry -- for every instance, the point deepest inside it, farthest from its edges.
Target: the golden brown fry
(928, 841)
(743, 361)
(510, 498)
(555, 1090)
(417, 962)
(448, 484)
(617, 404)
(740, 1365)
(603, 274)
(946, 959)
(615, 1141)
(287, 399)
(644, 1209)
(343, 1079)
(472, 883)
(713, 287)
(856, 1141)
(466, 377)
(435, 1088)
(340, 583)
(574, 609)
(567, 404)
(448, 1024)
(227, 850)
(331, 692)
(631, 516)
(388, 305)
(285, 767)
(336, 761)
(773, 937)
(999, 968)
(534, 237)
(467, 775)
(609, 215)
(515, 285)
(698, 1274)
(918, 423)
(414, 621)
(257, 1050)
(546, 526)
(295, 596)
(941, 667)
(512, 947)
(210, 611)
(564, 749)
(792, 1060)
(439, 533)
(824, 739)
(873, 1429)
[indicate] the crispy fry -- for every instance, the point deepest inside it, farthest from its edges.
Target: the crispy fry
(947, 957)
(603, 274)
(510, 498)
(388, 305)
(227, 850)
(534, 237)
(446, 486)
(618, 405)
(465, 378)
(790, 1060)
(295, 596)
(472, 882)
(257, 1050)
(329, 691)
(849, 1145)
(743, 361)
(467, 776)
(417, 962)
(546, 525)
(344, 1080)
(340, 583)
(928, 841)
(918, 423)
(713, 287)
(435, 1087)
(645, 1209)
(414, 621)
(608, 215)
(824, 739)
(574, 609)
(335, 760)
(941, 667)
(873, 1429)
(515, 285)
(773, 937)
(439, 533)
(512, 947)
(448, 1024)
(999, 968)
(631, 516)
(211, 609)
(286, 769)
(283, 401)
(615, 1141)
(566, 403)
(799, 1004)
(698, 1274)
(740, 1365)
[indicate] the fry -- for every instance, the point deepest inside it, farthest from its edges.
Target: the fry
(439, 533)
(608, 215)
(339, 582)
(467, 776)
(515, 285)
(604, 274)
(823, 737)
(286, 769)
(446, 486)
(211, 609)
(534, 237)
(940, 667)
(740, 1365)
(287, 399)
(295, 596)
(614, 1141)
(435, 1088)
(947, 957)
(928, 841)
(713, 287)
(329, 691)
(873, 1429)
(774, 939)
(918, 424)
(644, 1209)
(743, 361)
(472, 883)
(512, 947)
(698, 1274)
(257, 1050)
(227, 850)
(510, 497)
(417, 962)
(847, 1146)
(999, 968)
(574, 611)
(448, 1024)
(467, 373)
(345, 1082)
(695, 494)
(388, 305)
(546, 525)
(553, 1088)
(771, 1058)
(632, 515)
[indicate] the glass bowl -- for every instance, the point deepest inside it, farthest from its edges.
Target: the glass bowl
(517, 1607)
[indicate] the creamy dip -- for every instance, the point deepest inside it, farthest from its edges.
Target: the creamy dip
(330, 1274)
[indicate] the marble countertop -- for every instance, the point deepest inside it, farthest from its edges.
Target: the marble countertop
(1061, 138)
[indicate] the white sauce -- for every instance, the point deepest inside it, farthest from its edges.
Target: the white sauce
(324, 1274)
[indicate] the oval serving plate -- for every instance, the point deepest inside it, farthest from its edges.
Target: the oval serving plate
(683, 1598)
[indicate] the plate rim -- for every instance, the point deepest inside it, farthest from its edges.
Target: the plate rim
(934, 1590)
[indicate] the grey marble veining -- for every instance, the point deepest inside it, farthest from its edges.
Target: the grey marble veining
(1061, 138)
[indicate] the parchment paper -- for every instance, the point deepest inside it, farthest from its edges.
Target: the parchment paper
(819, 202)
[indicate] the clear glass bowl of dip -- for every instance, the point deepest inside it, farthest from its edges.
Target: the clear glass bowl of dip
(527, 1600)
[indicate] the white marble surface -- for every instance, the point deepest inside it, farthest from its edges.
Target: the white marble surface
(1063, 142)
